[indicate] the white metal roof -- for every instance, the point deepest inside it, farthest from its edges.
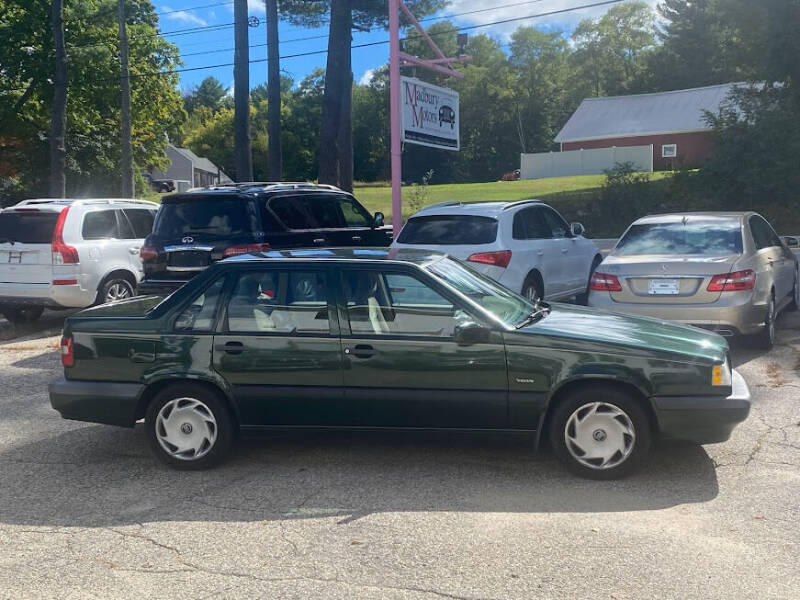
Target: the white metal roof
(679, 111)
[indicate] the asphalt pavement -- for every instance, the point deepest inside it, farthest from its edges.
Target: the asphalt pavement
(85, 511)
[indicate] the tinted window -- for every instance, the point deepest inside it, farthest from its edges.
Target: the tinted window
(291, 213)
(529, 224)
(354, 214)
(279, 302)
(27, 227)
(324, 211)
(690, 237)
(141, 220)
(763, 234)
(206, 217)
(199, 316)
(555, 223)
(449, 230)
(100, 225)
(397, 304)
(269, 223)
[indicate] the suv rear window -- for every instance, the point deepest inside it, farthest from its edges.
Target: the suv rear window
(449, 230)
(27, 227)
(208, 217)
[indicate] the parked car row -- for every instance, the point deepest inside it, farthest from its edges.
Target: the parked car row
(289, 305)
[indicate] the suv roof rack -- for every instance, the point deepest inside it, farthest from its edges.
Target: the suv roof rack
(521, 202)
(443, 204)
(82, 201)
(266, 186)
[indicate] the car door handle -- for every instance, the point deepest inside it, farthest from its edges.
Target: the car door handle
(361, 351)
(319, 240)
(356, 238)
(232, 347)
(564, 250)
(539, 253)
(133, 250)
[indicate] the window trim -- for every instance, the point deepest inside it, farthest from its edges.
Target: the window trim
(417, 273)
(223, 294)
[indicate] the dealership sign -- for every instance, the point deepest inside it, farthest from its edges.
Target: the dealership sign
(430, 115)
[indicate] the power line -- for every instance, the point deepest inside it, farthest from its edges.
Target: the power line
(193, 8)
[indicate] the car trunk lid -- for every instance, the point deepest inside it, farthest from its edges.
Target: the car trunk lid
(657, 279)
(25, 246)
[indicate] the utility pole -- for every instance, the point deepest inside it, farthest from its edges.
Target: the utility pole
(241, 93)
(58, 151)
(346, 116)
(273, 91)
(126, 163)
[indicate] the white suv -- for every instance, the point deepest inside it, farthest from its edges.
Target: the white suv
(70, 253)
(526, 246)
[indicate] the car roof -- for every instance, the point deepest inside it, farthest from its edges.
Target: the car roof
(249, 193)
(738, 216)
(58, 204)
(406, 255)
(488, 209)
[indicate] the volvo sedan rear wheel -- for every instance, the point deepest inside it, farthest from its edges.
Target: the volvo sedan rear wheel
(600, 433)
(189, 427)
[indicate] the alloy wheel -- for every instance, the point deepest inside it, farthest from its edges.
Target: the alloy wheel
(600, 435)
(531, 293)
(186, 428)
(118, 290)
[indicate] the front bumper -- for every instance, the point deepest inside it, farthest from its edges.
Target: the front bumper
(96, 401)
(703, 419)
(728, 316)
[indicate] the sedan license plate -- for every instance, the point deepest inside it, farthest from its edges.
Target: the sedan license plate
(664, 287)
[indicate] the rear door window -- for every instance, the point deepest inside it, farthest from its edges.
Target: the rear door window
(141, 221)
(449, 230)
(100, 225)
(529, 224)
(763, 234)
(27, 227)
(291, 213)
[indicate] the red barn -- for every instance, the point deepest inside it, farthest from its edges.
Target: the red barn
(672, 121)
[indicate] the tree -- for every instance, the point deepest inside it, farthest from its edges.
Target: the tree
(274, 90)
(58, 182)
(241, 94)
(209, 93)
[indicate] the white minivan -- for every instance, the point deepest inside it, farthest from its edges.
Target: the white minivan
(526, 246)
(70, 253)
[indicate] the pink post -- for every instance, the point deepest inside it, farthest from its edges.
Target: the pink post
(394, 110)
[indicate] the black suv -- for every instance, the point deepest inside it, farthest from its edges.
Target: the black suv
(196, 229)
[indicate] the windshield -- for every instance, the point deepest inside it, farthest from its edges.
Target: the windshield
(449, 230)
(507, 306)
(206, 218)
(27, 227)
(690, 237)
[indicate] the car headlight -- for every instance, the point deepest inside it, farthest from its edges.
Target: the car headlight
(721, 374)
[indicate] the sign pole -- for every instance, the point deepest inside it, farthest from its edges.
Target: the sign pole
(394, 110)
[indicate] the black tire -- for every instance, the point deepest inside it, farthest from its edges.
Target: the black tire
(119, 287)
(532, 288)
(583, 299)
(765, 339)
(22, 314)
(209, 454)
(606, 400)
(794, 305)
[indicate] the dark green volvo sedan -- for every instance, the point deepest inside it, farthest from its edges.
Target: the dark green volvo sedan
(376, 338)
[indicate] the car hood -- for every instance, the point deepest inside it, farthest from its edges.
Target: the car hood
(573, 323)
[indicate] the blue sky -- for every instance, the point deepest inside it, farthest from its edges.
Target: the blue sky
(211, 47)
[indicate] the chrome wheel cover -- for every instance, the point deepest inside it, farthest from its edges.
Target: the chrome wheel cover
(186, 428)
(118, 290)
(599, 435)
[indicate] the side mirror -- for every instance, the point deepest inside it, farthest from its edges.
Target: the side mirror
(471, 333)
(576, 229)
(378, 220)
(791, 242)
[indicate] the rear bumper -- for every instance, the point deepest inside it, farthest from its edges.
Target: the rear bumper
(46, 294)
(96, 401)
(703, 419)
(159, 287)
(727, 316)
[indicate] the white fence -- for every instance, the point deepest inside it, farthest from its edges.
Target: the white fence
(584, 162)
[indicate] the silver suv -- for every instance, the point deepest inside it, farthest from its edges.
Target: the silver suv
(70, 253)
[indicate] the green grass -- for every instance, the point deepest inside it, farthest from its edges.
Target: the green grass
(379, 198)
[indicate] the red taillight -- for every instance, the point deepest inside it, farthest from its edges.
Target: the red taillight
(245, 249)
(737, 281)
(67, 352)
(148, 254)
(603, 282)
(500, 258)
(62, 253)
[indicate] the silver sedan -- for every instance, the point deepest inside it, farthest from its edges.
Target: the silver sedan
(724, 271)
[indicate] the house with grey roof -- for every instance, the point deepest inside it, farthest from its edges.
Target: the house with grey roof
(672, 122)
(185, 165)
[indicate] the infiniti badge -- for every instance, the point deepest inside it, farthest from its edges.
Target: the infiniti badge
(187, 240)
